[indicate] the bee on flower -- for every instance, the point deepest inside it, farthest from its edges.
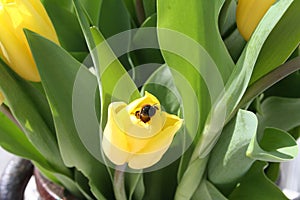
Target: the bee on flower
(138, 133)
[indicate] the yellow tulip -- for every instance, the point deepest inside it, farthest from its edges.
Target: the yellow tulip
(132, 137)
(1, 98)
(15, 15)
(249, 13)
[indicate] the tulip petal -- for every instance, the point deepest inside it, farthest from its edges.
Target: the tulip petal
(141, 150)
(14, 49)
(157, 145)
(114, 142)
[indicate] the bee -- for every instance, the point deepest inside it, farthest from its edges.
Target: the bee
(146, 113)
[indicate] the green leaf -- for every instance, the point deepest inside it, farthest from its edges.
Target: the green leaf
(86, 105)
(15, 141)
(191, 179)
(111, 23)
(115, 82)
(161, 84)
(238, 82)
(146, 55)
(64, 4)
(230, 152)
(275, 146)
(161, 184)
(66, 26)
(32, 122)
(203, 17)
(58, 76)
(273, 77)
(281, 113)
(227, 21)
(281, 43)
(288, 87)
(93, 9)
(255, 185)
(235, 44)
(197, 54)
(135, 185)
(208, 191)
(149, 7)
(234, 90)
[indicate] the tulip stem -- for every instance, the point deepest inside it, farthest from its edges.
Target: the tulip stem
(119, 183)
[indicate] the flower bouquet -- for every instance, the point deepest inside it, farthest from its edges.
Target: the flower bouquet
(122, 99)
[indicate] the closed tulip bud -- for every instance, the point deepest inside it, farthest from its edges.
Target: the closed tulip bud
(15, 15)
(249, 13)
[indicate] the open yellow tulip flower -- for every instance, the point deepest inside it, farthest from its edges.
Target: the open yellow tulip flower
(249, 13)
(138, 133)
(15, 15)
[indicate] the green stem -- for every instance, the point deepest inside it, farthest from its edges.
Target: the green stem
(119, 183)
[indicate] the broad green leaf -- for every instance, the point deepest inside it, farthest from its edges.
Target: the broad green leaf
(111, 23)
(203, 17)
(145, 53)
(208, 191)
(130, 5)
(161, 184)
(15, 141)
(86, 108)
(67, 182)
(275, 146)
(230, 152)
(32, 122)
(64, 4)
(281, 43)
(113, 80)
(238, 82)
(82, 183)
(93, 9)
(149, 7)
(279, 112)
(255, 185)
(235, 87)
(197, 54)
(58, 76)
(66, 26)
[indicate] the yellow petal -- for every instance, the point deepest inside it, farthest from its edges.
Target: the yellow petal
(114, 141)
(1, 98)
(15, 15)
(249, 13)
(140, 150)
(157, 145)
